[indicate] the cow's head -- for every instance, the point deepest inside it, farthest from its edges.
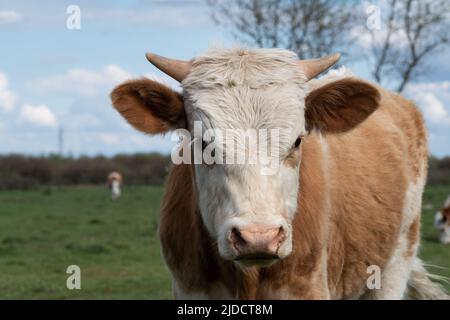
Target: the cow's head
(247, 210)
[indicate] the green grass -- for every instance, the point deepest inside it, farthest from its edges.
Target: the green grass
(114, 243)
(431, 251)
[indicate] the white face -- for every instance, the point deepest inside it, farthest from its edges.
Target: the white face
(247, 209)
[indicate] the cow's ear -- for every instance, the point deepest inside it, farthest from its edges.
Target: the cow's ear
(149, 106)
(340, 105)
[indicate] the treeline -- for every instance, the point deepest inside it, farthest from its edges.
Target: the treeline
(439, 171)
(25, 172)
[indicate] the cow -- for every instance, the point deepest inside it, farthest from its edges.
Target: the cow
(345, 198)
(442, 223)
(115, 182)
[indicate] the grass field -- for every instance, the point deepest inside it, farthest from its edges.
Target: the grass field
(115, 244)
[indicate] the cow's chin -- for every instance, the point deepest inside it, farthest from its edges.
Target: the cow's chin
(256, 262)
(262, 261)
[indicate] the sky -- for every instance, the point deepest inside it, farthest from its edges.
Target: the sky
(54, 77)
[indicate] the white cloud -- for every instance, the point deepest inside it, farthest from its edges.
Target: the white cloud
(434, 110)
(8, 98)
(9, 16)
(433, 98)
(39, 115)
(89, 83)
(443, 87)
(109, 138)
(84, 82)
(366, 39)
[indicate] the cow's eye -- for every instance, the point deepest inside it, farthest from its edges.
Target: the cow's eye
(212, 151)
(297, 142)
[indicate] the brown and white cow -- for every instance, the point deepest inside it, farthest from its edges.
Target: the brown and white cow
(442, 223)
(346, 194)
(115, 182)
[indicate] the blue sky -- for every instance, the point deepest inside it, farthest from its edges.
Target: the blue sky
(51, 76)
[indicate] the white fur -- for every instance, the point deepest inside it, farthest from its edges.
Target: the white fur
(115, 190)
(442, 227)
(247, 89)
(395, 275)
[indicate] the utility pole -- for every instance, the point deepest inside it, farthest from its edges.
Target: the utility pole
(60, 141)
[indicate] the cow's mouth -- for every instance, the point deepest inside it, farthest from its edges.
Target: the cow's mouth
(257, 260)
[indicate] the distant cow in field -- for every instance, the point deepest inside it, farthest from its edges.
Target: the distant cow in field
(442, 223)
(115, 181)
(346, 193)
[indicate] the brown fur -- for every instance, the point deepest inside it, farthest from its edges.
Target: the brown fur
(149, 106)
(410, 120)
(352, 191)
(293, 157)
(446, 215)
(187, 245)
(413, 237)
(365, 177)
(340, 105)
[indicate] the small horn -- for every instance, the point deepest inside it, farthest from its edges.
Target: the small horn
(314, 67)
(177, 69)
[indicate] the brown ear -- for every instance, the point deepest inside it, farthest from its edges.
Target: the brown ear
(340, 106)
(149, 106)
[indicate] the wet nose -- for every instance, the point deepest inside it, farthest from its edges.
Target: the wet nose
(257, 241)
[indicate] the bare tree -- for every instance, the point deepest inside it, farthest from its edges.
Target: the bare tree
(311, 28)
(412, 32)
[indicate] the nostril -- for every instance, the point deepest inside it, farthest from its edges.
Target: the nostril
(281, 231)
(236, 237)
(280, 237)
(277, 240)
